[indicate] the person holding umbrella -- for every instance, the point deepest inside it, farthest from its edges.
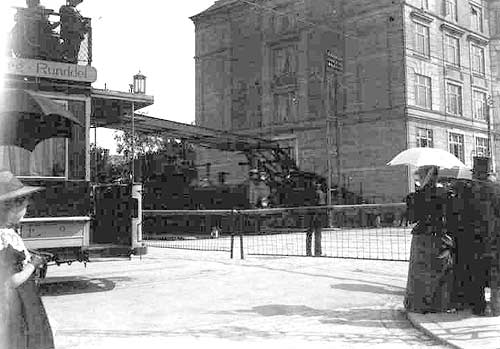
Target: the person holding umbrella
(430, 276)
(23, 321)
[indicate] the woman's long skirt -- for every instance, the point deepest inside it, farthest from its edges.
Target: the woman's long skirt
(429, 283)
(26, 325)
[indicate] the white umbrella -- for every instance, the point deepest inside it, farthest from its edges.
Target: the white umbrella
(426, 157)
(457, 172)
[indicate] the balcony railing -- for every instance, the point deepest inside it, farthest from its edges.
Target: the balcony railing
(39, 34)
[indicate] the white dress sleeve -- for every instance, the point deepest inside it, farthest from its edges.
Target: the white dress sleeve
(10, 237)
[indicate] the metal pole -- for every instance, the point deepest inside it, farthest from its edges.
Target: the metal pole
(337, 127)
(133, 143)
(95, 154)
(326, 105)
(489, 103)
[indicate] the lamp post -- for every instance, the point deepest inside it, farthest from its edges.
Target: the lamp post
(138, 87)
(332, 64)
(489, 104)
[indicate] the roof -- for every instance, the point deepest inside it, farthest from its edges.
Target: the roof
(108, 106)
(202, 136)
(216, 6)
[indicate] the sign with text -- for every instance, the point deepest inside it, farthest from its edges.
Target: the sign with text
(51, 70)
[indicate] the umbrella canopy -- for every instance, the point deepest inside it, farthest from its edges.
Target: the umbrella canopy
(28, 118)
(426, 157)
(457, 172)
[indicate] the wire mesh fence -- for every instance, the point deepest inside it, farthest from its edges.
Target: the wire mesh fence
(221, 244)
(375, 231)
(378, 231)
(203, 230)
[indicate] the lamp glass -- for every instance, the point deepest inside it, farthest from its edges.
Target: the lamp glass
(139, 83)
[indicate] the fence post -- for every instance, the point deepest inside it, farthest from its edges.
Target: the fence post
(232, 245)
(241, 220)
(241, 247)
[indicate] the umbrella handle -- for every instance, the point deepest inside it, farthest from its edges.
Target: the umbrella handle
(428, 176)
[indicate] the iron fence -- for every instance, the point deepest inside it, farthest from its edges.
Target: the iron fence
(372, 231)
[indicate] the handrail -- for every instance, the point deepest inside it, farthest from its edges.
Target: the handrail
(267, 210)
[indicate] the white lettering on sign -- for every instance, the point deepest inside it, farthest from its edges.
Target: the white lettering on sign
(53, 70)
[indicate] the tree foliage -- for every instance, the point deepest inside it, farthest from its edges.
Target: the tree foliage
(143, 144)
(153, 152)
(105, 168)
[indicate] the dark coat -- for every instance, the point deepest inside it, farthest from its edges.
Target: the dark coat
(22, 313)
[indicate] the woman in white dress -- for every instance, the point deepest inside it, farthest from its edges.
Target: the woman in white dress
(23, 320)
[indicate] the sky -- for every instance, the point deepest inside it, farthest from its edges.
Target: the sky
(152, 36)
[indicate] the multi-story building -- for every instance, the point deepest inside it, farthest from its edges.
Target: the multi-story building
(412, 73)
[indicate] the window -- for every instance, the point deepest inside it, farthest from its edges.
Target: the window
(456, 142)
(290, 152)
(477, 19)
(423, 91)
(477, 59)
(285, 107)
(422, 39)
(424, 138)
(454, 99)
(452, 49)
(48, 159)
(479, 105)
(284, 61)
(482, 146)
(450, 9)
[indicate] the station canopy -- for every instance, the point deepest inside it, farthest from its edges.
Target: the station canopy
(112, 109)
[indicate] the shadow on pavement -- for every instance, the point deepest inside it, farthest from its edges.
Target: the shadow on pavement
(366, 317)
(368, 288)
(388, 326)
(77, 285)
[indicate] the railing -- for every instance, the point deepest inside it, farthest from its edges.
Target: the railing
(37, 34)
(375, 231)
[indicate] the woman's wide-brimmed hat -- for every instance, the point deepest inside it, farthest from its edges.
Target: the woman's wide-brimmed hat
(12, 188)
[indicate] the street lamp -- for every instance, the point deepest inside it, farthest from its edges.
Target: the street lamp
(332, 64)
(139, 83)
(138, 86)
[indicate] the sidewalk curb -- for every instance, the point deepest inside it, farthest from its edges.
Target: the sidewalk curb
(415, 323)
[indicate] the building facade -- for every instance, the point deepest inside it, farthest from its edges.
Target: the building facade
(410, 73)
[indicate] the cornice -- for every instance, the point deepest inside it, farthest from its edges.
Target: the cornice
(479, 39)
(421, 16)
(452, 29)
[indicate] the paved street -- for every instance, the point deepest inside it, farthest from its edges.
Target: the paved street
(205, 298)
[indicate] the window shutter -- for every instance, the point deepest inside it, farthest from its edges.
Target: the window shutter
(444, 7)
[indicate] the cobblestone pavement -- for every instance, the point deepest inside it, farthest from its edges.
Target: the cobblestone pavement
(179, 297)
